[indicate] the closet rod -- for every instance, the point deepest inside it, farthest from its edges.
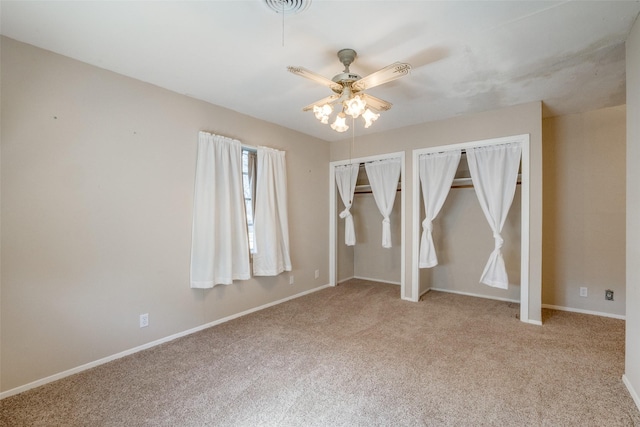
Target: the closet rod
(366, 189)
(468, 183)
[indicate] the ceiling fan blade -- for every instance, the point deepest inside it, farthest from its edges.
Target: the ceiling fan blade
(303, 72)
(385, 75)
(376, 103)
(327, 100)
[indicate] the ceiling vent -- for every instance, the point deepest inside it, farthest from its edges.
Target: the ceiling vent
(287, 7)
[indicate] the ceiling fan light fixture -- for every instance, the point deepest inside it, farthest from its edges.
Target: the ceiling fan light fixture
(322, 112)
(355, 106)
(340, 125)
(369, 117)
(350, 90)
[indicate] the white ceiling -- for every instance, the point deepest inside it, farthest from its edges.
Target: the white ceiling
(466, 56)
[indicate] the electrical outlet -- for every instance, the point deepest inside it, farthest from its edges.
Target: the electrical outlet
(144, 320)
(608, 295)
(317, 273)
(584, 291)
(291, 280)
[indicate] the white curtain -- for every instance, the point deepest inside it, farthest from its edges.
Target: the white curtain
(436, 171)
(219, 242)
(494, 172)
(346, 177)
(383, 177)
(271, 222)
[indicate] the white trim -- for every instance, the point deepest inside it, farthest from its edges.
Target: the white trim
(524, 139)
(525, 233)
(471, 294)
(581, 311)
(333, 229)
(371, 279)
(403, 200)
(146, 346)
(397, 154)
(631, 390)
(346, 279)
(530, 321)
(415, 241)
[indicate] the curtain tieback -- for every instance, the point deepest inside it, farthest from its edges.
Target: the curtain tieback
(499, 240)
(345, 213)
(427, 225)
(386, 220)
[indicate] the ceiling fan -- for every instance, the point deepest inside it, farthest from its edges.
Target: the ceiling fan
(349, 91)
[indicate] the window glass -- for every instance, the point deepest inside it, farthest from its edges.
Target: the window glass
(248, 171)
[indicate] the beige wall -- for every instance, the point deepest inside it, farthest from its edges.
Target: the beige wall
(632, 364)
(522, 119)
(584, 210)
(464, 241)
(371, 260)
(368, 259)
(97, 185)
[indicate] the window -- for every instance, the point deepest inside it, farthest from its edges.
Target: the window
(219, 236)
(249, 185)
(232, 229)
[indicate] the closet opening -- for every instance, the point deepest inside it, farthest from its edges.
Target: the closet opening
(376, 254)
(463, 238)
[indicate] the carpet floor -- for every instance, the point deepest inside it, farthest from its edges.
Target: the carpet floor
(357, 355)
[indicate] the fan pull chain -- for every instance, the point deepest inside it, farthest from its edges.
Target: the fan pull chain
(353, 137)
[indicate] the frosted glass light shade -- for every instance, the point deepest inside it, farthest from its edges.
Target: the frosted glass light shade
(322, 113)
(340, 124)
(369, 117)
(355, 106)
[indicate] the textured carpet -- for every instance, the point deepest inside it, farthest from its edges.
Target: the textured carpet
(357, 355)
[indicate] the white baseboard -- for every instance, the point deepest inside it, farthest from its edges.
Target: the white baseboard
(531, 321)
(415, 299)
(632, 391)
(469, 294)
(371, 279)
(423, 292)
(581, 311)
(346, 279)
(122, 354)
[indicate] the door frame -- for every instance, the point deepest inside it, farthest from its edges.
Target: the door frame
(333, 214)
(524, 139)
